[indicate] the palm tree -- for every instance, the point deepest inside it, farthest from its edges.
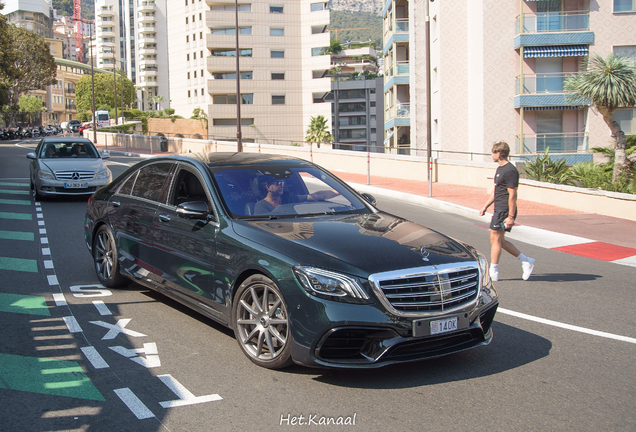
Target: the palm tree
(318, 131)
(609, 83)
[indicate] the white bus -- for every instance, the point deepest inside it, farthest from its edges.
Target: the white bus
(103, 118)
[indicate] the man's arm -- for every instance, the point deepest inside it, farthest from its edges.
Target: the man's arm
(491, 199)
(512, 207)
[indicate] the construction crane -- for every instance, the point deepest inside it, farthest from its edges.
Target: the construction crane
(356, 28)
(79, 36)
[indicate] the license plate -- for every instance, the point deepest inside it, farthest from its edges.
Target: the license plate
(444, 326)
(75, 185)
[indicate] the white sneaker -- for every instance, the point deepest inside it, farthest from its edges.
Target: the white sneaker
(494, 275)
(527, 267)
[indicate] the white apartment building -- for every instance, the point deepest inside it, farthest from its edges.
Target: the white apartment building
(497, 71)
(132, 36)
(283, 65)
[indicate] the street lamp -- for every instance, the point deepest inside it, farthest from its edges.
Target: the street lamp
(429, 135)
(239, 144)
(115, 84)
(90, 46)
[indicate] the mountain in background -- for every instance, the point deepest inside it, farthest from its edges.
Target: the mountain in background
(371, 6)
(356, 27)
(65, 8)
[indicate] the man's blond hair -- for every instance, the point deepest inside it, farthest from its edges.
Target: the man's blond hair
(502, 148)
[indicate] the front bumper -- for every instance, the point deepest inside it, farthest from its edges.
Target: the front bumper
(361, 339)
(56, 187)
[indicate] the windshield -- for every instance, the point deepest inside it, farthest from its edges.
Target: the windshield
(281, 192)
(68, 150)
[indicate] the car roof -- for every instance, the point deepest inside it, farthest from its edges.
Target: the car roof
(66, 140)
(224, 160)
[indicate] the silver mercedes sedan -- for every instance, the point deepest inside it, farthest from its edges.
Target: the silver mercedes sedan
(67, 166)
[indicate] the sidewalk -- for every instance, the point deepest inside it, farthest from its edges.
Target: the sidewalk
(585, 234)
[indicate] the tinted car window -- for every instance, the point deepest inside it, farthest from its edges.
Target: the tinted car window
(188, 187)
(127, 187)
(304, 191)
(150, 181)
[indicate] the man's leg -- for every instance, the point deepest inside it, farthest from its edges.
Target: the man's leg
(527, 264)
(496, 238)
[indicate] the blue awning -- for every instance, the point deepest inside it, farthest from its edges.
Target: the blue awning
(556, 51)
(553, 108)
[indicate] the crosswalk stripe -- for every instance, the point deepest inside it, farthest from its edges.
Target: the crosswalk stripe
(18, 264)
(16, 235)
(16, 216)
(14, 192)
(14, 184)
(15, 202)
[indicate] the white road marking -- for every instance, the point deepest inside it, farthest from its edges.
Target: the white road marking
(133, 403)
(115, 329)
(52, 279)
(630, 261)
(48, 264)
(184, 395)
(59, 299)
(567, 326)
(93, 356)
(72, 324)
(101, 307)
(544, 238)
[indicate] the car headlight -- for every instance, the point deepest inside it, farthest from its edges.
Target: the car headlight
(105, 173)
(45, 175)
(331, 285)
(483, 264)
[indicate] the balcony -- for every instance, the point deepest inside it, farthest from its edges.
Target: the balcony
(554, 28)
(146, 6)
(541, 83)
(147, 39)
(148, 29)
(106, 32)
(146, 18)
(108, 54)
(105, 11)
(147, 84)
(144, 50)
(557, 142)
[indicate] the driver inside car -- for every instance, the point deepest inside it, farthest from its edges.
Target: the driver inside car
(275, 189)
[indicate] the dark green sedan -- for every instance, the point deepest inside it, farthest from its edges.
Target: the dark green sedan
(303, 268)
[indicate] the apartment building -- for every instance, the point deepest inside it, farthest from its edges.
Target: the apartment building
(497, 71)
(33, 15)
(283, 65)
(132, 36)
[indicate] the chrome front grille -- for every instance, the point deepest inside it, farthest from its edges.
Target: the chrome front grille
(74, 175)
(429, 291)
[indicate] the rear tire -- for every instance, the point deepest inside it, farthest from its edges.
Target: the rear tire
(106, 259)
(261, 323)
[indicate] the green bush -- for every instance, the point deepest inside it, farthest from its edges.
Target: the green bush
(169, 111)
(545, 169)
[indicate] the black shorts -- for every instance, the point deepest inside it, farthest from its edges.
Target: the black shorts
(497, 222)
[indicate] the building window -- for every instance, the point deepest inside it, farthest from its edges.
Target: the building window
(278, 99)
(626, 51)
(275, 9)
(278, 75)
(315, 7)
(231, 8)
(274, 31)
(188, 93)
(232, 122)
(626, 118)
(231, 75)
(231, 53)
(230, 99)
(319, 51)
(624, 6)
(277, 54)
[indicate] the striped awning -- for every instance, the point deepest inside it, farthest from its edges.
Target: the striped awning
(553, 108)
(556, 51)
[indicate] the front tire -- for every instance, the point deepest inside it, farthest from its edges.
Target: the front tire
(261, 323)
(106, 259)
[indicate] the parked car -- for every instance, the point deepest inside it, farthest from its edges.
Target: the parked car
(321, 277)
(67, 166)
(74, 125)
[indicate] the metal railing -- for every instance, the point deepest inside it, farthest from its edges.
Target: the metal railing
(554, 22)
(573, 142)
(541, 83)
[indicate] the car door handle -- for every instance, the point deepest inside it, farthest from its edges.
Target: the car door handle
(116, 203)
(164, 218)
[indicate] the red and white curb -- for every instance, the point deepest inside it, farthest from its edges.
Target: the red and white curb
(574, 245)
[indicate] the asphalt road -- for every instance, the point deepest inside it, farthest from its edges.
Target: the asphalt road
(133, 360)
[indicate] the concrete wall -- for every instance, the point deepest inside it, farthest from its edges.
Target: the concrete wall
(468, 173)
(186, 127)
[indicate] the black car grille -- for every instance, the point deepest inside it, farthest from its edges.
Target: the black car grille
(431, 292)
(75, 190)
(75, 175)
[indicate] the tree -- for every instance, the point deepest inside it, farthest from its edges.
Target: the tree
(318, 131)
(32, 66)
(29, 104)
(158, 100)
(7, 59)
(334, 47)
(104, 92)
(609, 83)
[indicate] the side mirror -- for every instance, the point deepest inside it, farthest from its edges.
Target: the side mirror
(194, 210)
(31, 156)
(370, 198)
(105, 154)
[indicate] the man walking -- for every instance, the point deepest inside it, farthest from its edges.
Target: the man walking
(504, 195)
